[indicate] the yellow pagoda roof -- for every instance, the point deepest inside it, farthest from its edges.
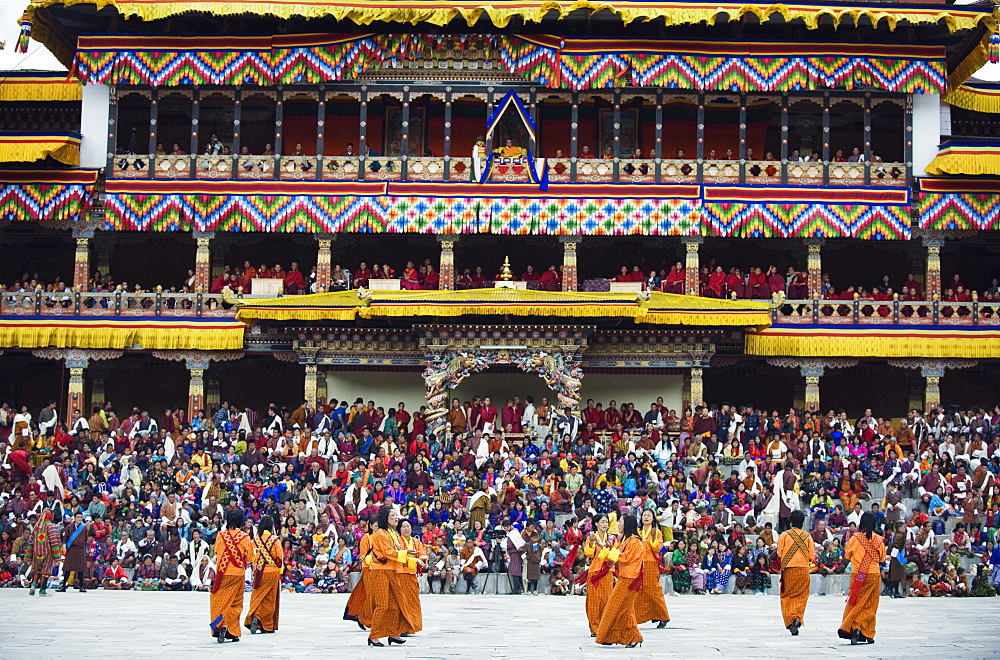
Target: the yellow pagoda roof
(658, 308)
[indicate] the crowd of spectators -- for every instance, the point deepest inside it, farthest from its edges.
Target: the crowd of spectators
(153, 492)
(714, 281)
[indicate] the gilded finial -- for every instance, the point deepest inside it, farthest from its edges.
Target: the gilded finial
(505, 273)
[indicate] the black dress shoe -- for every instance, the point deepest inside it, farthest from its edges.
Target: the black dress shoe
(374, 643)
(794, 626)
(396, 640)
(220, 634)
(663, 624)
(360, 625)
(593, 634)
(856, 636)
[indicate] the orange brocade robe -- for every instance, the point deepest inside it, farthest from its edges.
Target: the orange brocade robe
(359, 606)
(795, 551)
(388, 617)
(234, 552)
(649, 604)
(600, 579)
(408, 586)
(268, 567)
(618, 620)
(865, 556)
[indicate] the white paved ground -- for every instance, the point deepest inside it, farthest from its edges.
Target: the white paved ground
(145, 624)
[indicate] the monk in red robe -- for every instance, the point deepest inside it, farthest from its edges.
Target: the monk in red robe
(716, 284)
(591, 415)
(757, 284)
(674, 282)
(295, 281)
(798, 288)
(488, 417)
(775, 281)
(363, 275)
(612, 418)
(431, 280)
(530, 274)
(550, 280)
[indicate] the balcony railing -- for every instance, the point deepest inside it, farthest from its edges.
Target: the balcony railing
(113, 303)
(561, 170)
(888, 312)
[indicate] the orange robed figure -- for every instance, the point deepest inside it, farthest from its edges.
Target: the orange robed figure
(359, 605)
(600, 579)
(406, 577)
(795, 551)
(618, 620)
(234, 552)
(268, 567)
(650, 605)
(391, 618)
(865, 551)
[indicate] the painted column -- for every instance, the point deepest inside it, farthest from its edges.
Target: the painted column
(933, 372)
(97, 396)
(321, 392)
(74, 393)
(197, 366)
(812, 371)
(570, 280)
(697, 387)
(311, 383)
(814, 267)
(323, 262)
(446, 270)
(933, 241)
(81, 262)
(203, 261)
(692, 264)
(213, 394)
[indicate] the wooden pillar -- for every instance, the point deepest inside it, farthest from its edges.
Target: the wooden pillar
(74, 390)
(868, 137)
(325, 241)
(933, 372)
(826, 139)
(570, 278)
(814, 267)
(193, 145)
(446, 270)
(311, 384)
(933, 241)
(447, 136)
(97, 395)
(203, 261)
(784, 139)
(742, 155)
(320, 130)
(321, 392)
(405, 144)
(697, 386)
(812, 371)
(197, 365)
(616, 143)
(213, 395)
(692, 263)
(81, 262)
(658, 147)
(574, 134)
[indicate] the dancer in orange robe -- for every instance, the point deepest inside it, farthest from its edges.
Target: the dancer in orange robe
(650, 606)
(268, 567)
(406, 578)
(795, 550)
(233, 552)
(600, 579)
(389, 619)
(865, 551)
(618, 620)
(359, 606)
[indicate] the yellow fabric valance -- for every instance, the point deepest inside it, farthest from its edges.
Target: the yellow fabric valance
(193, 334)
(39, 86)
(661, 308)
(441, 12)
(978, 97)
(967, 158)
(923, 341)
(31, 147)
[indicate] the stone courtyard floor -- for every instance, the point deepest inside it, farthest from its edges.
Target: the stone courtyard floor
(146, 624)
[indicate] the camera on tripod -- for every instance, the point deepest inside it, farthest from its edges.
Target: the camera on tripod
(494, 534)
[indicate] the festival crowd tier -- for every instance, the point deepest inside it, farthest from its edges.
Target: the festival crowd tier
(723, 497)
